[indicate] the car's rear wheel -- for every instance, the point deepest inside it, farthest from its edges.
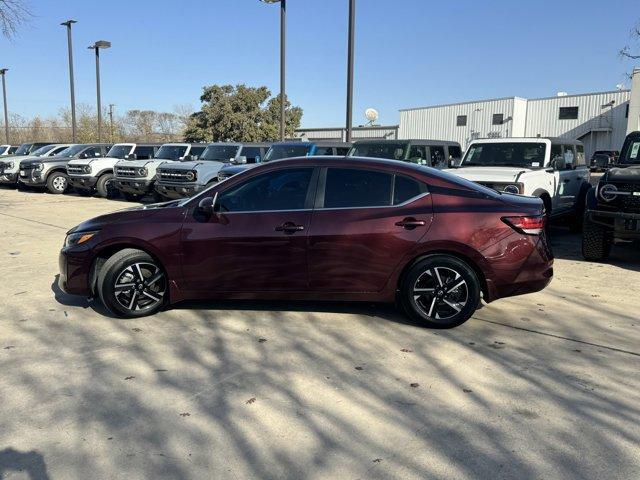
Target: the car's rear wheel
(440, 291)
(596, 244)
(132, 284)
(105, 186)
(57, 183)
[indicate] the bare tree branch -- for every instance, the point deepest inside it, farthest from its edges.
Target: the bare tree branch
(13, 14)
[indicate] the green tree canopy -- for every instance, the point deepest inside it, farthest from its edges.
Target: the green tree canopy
(240, 113)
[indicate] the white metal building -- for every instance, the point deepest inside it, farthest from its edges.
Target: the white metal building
(599, 120)
(339, 134)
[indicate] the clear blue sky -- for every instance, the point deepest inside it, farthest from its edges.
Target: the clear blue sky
(408, 53)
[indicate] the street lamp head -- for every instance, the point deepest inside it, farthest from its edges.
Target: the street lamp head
(68, 23)
(100, 44)
(270, 1)
(3, 71)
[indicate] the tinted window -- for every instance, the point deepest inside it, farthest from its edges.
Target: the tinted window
(220, 153)
(461, 121)
(418, 154)
(454, 151)
(580, 160)
(119, 151)
(342, 151)
(498, 119)
(143, 153)
(281, 190)
(568, 113)
(278, 152)
(390, 150)
(507, 154)
(324, 151)
(407, 188)
(569, 157)
(253, 154)
(357, 188)
(556, 151)
(171, 152)
(24, 149)
(196, 151)
(631, 152)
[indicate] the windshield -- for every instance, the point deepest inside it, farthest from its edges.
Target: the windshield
(631, 155)
(171, 152)
(23, 149)
(119, 151)
(391, 151)
(220, 153)
(278, 152)
(526, 155)
(72, 151)
(42, 150)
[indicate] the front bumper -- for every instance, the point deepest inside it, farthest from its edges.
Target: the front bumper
(33, 178)
(87, 183)
(135, 186)
(75, 272)
(624, 225)
(176, 190)
(8, 178)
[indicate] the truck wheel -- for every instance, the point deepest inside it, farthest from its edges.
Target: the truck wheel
(440, 291)
(131, 197)
(132, 284)
(57, 183)
(576, 221)
(596, 244)
(106, 186)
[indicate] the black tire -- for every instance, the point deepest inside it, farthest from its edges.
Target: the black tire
(131, 197)
(576, 222)
(57, 183)
(105, 186)
(122, 289)
(425, 297)
(596, 244)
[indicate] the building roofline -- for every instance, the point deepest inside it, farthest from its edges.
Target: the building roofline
(328, 129)
(514, 98)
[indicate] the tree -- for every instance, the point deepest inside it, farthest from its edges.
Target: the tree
(628, 51)
(239, 113)
(13, 13)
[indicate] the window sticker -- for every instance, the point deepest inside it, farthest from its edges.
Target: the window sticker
(535, 164)
(634, 150)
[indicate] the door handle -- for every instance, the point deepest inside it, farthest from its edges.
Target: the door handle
(289, 227)
(410, 223)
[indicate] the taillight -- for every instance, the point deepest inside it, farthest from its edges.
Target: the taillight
(527, 225)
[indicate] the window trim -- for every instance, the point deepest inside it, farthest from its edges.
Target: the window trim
(322, 184)
(466, 119)
(496, 115)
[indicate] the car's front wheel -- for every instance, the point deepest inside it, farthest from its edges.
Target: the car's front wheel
(440, 291)
(57, 183)
(596, 244)
(132, 284)
(106, 186)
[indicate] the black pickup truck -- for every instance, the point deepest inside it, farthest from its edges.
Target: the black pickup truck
(612, 212)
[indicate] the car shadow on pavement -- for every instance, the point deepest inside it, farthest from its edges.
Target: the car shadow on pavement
(77, 301)
(13, 461)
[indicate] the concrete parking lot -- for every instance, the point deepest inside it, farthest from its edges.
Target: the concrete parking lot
(539, 386)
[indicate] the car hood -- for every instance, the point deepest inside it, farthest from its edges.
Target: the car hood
(88, 161)
(489, 174)
(239, 168)
(142, 163)
(195, 165)
(133, 214)
(626, 174)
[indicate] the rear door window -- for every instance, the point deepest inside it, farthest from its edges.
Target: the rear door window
(406, 188)
(455, 151)
(352, 188)
(196, 151)
(437, 156)
(253, 154)
(324, 151)
(418, 154)
(144, 153)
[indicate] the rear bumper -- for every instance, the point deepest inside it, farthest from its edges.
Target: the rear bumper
(624, 225)
(83, 182)
(135, 186)
(176, 191)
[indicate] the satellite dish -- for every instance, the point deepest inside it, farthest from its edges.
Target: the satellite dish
(372, 115)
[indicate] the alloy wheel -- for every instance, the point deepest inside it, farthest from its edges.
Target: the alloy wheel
(59, 183)
(440, 293)
(140, 286)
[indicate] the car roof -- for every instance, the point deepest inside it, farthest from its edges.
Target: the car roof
(407, 140)
(553, 140)
(333, 144)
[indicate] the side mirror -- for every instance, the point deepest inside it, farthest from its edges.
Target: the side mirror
(186, 158)
(84, 155)
(207, 205)
(241, 160)
(132, 156)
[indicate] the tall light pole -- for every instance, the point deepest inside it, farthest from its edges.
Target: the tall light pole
(350, 59)
(3, 71)
(111, 105)
(68, 24)
(97, 46)
(283, 48)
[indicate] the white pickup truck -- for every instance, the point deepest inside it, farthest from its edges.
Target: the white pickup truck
(552, 169)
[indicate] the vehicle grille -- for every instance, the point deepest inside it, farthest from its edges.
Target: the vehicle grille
(173, 175)
(27, 169)
(125, 172)
(629, 203)
(75, 169)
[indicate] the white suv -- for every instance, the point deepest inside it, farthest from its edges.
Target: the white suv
(552, 169)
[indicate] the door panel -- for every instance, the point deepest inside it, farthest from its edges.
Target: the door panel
(245, 252)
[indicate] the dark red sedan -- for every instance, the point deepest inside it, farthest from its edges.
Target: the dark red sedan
(318, 228)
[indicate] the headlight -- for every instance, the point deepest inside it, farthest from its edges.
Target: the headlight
(513, 188)
(9, 165)
(142, 172)
(78, 238)
(38, 167)
(86, 169)
(608, 192)
(191, 176)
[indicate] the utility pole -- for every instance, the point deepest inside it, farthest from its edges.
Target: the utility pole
(3, 71)
(350, 59)
(68, 24)
(96, 47)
